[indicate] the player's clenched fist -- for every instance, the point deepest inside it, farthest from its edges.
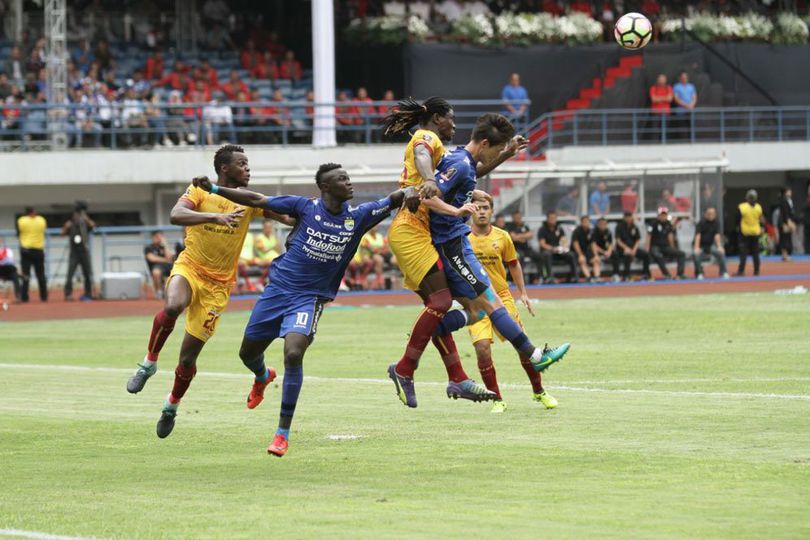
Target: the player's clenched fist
(201, 182)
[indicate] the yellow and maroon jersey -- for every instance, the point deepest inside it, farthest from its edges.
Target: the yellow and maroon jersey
(428, 139)
(213, 250)
(493, 250)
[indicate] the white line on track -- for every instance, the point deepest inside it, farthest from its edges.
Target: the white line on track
(19, 533)
(564, 387)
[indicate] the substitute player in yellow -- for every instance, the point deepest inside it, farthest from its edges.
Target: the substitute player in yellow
(409, 235)
(202, 276)
(493, 247)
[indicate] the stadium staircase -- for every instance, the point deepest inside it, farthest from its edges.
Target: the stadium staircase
(506, 191)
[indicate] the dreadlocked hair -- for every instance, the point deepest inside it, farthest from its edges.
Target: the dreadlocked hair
(410, 112)
(224, 155)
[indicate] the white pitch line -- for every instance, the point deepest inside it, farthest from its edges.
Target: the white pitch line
(36, 535)
(564, 387)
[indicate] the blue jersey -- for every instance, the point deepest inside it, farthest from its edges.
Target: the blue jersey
(321, 244)
(456, 179)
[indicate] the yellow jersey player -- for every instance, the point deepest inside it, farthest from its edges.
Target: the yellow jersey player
(202, 276)
(410, 239)
(493, 247)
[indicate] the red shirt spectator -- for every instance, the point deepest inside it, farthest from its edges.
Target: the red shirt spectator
(661, 95)
(232, 88)
(290, 67)
(155, 65)
(267, 69)
(209, 74)
(650, 8)
(346, 115)
(250, 57)
(553, 7)
(175, 79)
(274, 45)
(364, 111)
(383, 110)
(629, 199)
(310, 109)
(280, 115)
(582, 6)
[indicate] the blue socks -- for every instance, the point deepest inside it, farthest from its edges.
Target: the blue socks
(293, 379)
(512, 331)
(283, 431)
(455, 319)
(257, 367)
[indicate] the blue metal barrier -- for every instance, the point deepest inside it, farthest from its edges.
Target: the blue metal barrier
(642, 126)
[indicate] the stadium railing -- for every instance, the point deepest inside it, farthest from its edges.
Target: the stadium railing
(642, 126)
(118, 125)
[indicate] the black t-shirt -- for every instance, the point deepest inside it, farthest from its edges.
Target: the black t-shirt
(628, 234)
(659, 233)
(707, 229)
(603, 239)
(552, 236)
(583, 238)
(160, 251)
(522, 228)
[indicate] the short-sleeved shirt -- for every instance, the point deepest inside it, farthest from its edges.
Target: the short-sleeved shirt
(493, 250)
(411, 177)
(212, 250)
(660, 91)
(601, 200)
(159, 251)
(707, 231)
(518, 229)
(628, 234)
(567, 205)
(456, 179)
(603, 238)
(659, 233)
(582, 237)
(552, 236)
(685, 93)
(32, 231)
(514, 95)
(321, 244)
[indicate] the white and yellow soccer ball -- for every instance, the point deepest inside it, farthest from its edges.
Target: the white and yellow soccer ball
(633, 31)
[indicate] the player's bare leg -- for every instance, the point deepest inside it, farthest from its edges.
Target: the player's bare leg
(178, 297)
(295, 346)
(183, 375)
(252, 355)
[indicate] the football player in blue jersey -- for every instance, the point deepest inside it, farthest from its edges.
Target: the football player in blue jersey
(468, 281)
(304, 278)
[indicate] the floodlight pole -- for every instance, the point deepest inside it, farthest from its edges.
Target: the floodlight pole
(56, 69)
(323, 68)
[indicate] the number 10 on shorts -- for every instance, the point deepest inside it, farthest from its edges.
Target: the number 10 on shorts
(301, 319)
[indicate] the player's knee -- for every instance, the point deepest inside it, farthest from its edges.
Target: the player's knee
(293, 357)
(440, 301)
(173, 308)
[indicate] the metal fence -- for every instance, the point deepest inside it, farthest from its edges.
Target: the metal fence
(642, 126)
(139, 124)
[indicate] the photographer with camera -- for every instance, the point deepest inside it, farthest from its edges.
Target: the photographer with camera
(77, 229)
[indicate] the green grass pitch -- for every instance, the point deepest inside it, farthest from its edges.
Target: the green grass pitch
(679, 417)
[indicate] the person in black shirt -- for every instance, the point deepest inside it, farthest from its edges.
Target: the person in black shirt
(78, 229)
(628, 245)
(603, 246)
(661, 244)
(521, 234)
(581, 242)
(160, 260)
(553, 247)
(708, 243)
(786, 224)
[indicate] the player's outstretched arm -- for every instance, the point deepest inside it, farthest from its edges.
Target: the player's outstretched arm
(239, 196)
(515, 145)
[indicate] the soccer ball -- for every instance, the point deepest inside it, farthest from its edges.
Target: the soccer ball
(633, 31)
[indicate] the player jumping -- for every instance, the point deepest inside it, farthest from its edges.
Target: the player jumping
(469, 282)
(304, 278)
(410, 240)
(202, 277)
(493, 247)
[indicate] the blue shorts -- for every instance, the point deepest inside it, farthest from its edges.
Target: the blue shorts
(465, 274)
(277, 313)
